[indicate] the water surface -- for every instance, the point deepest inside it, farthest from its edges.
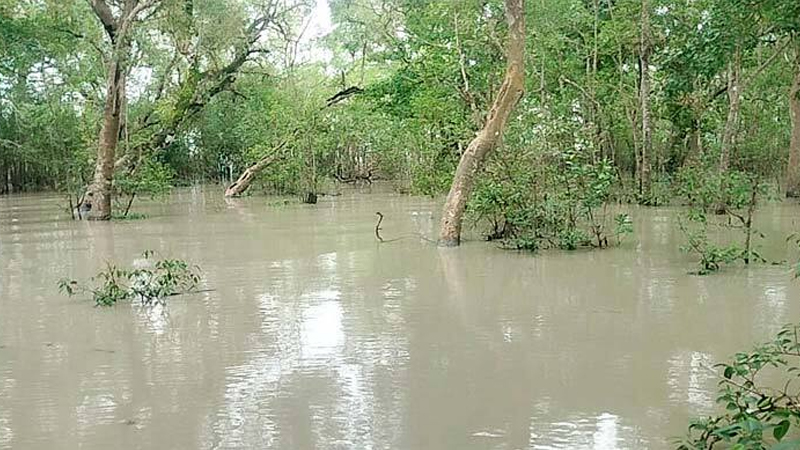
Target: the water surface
(316, 336)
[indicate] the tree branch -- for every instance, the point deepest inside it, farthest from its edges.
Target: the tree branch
(103, 12)
(764, 65)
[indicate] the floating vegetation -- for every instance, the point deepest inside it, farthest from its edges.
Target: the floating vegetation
(150, 285)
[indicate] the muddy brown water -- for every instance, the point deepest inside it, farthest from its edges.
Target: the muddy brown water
(317, 337)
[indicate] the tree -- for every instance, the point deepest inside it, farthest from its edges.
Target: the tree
(119, 29)
(491, 135)
(643, 172)
(793, 167)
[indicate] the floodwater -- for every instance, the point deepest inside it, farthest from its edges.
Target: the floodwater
(314, 336)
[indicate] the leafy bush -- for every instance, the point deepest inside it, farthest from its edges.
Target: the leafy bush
(734, 196)
(712, 256)
(150, 286)
(623, 226)
(549, 200)
(761, 403)
(152, 179)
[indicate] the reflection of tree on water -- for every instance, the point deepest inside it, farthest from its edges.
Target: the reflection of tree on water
(476, 363)
(310, 382)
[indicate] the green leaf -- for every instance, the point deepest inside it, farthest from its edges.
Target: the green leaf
(780, 430)
(728, 372)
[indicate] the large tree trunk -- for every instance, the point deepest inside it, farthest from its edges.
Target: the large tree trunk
(644, 99)
(490, 136)
(118, 29)
(246, 178)
(793, 169)
(98, 197)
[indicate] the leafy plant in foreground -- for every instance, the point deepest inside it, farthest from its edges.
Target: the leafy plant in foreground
(152, 285)
(758, 415)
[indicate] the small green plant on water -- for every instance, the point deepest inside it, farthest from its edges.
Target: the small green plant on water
(623, 226)
(740, 193)
(150, 286)
(129, 216)
(761, 397)
(712, 256)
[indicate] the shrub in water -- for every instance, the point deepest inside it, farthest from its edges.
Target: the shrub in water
(151, 285)
(761, 397)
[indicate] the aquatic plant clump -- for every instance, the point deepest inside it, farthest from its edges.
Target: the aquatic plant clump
(761, 395)
(150, 285)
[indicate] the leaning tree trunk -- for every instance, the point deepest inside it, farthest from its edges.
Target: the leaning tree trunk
(246, 178)
(793, 169)
(99, 192)
(644, 99)
(490, 136)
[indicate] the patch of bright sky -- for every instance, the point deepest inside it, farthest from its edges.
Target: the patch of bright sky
(320, 24)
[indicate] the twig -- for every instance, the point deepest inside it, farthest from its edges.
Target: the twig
(378, 226)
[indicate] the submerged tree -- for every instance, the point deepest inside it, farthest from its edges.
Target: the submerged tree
(646, 151)
(490, 136)
(793, 166)
(119, 28)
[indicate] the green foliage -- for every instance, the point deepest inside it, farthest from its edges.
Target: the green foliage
(738, 193)
(535, 197)
(152, 179)
(623, 226)
(712, 256)
(150, 286)
(128, 216)
(761, 404)
(429, 71)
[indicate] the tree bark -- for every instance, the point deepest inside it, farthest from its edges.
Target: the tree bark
(118, 29)
(731, 128)
(793, 169)
(99, 192)
(246, 178)
(644, 99)
(732, 121)
(694, 145)
(491, 135)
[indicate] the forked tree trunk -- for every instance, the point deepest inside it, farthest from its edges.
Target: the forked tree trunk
(793, 169)
(644, 99)
(491, 135)
(246, 178)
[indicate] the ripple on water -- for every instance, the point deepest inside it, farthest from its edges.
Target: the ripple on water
(315, 336)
